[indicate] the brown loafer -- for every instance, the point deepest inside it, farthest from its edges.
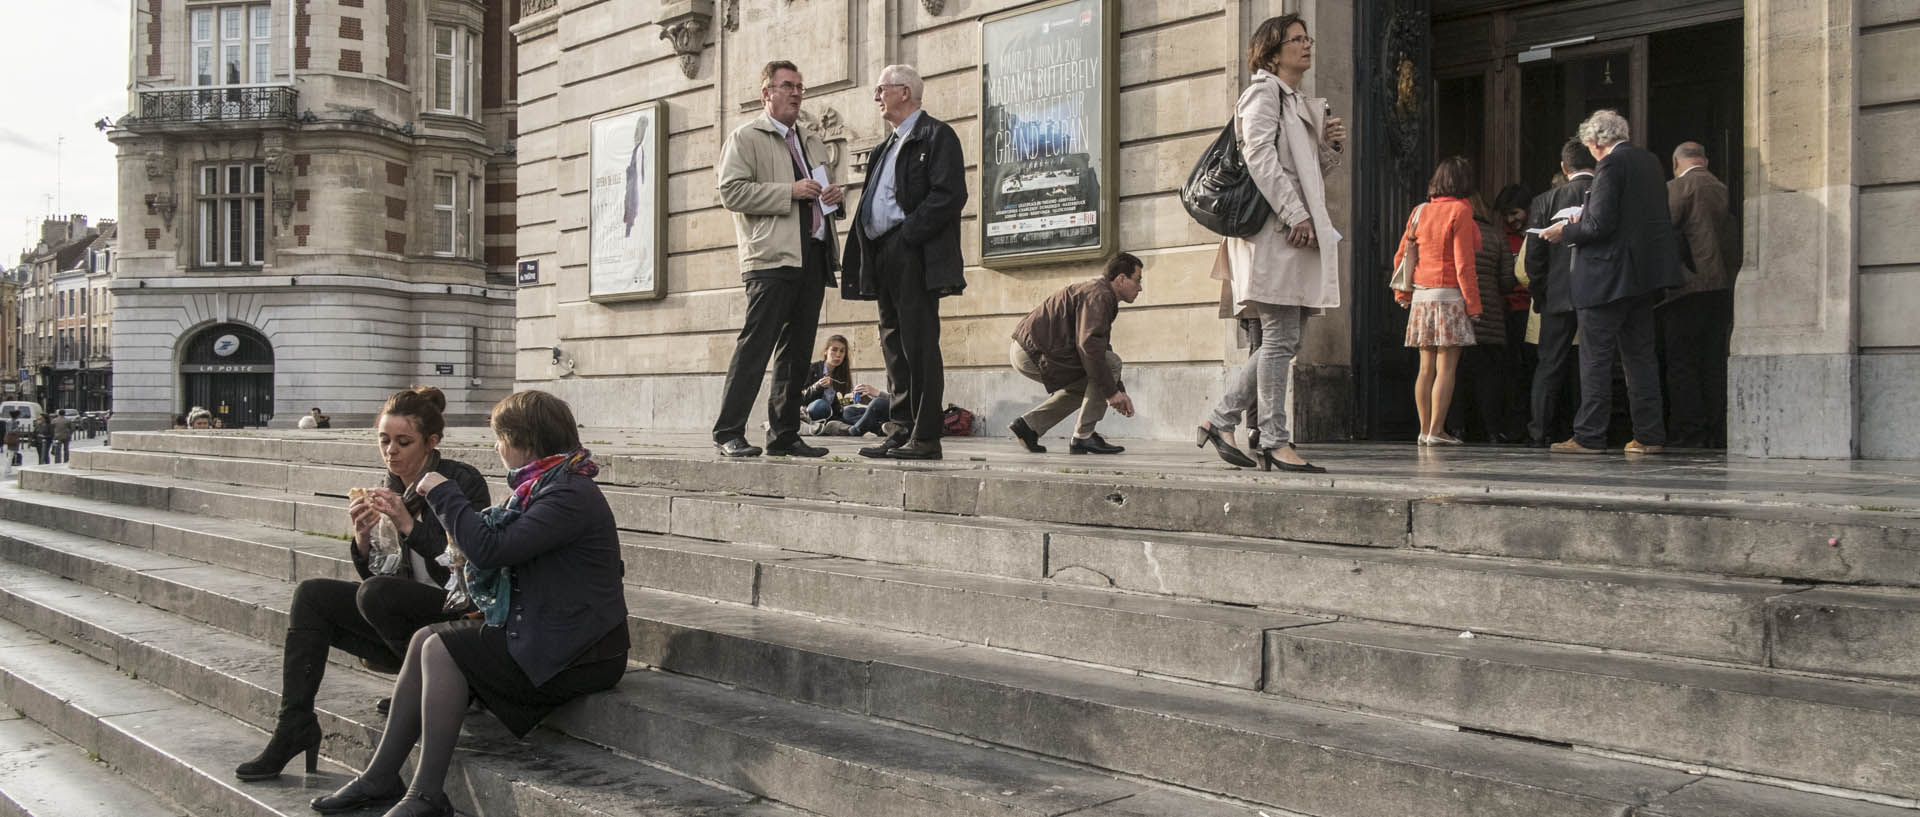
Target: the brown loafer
(1571, 446)
(1637, 447)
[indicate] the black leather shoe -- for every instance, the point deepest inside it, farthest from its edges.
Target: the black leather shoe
(916, 450)
(1094, 444)
(359, 794)
(885, 447)
(381, 706)
(737, 447)
(421, 804)
(796, 448)
(1027, 436)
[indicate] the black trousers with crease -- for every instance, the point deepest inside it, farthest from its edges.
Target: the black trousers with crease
(783, 315)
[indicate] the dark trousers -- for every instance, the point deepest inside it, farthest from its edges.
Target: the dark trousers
(1552, 376)
(1482, 392)
(783, 314)
(1694, 333)
(372, 620)
(40, 448)
(1622, 330)
(910, 340)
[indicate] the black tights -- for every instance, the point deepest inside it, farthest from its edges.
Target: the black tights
(429, 702)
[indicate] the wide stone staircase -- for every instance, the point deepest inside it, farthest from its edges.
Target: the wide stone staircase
(957, 639)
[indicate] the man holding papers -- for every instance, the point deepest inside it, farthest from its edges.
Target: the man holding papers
(1625, 257)
(904, 251)
(1549, 268)
(780, 199)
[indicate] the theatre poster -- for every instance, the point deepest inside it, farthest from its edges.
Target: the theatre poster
(628, 201)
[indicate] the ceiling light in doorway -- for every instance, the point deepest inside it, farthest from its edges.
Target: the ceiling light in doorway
(1544, 51)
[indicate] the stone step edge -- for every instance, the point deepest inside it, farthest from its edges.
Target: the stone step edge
(760, 566)
(487, 461)
(156, 660)
(1846, 549)
(728, 679)
(59, 771)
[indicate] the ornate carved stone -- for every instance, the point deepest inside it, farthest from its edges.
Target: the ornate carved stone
(685, 23)
(159, 165)
(730, 16)
(934, 7)
(163, 205)
(528, 8)
(830, 128)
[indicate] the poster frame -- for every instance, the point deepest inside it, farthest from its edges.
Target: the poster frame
(657, 147)
(1107, 151)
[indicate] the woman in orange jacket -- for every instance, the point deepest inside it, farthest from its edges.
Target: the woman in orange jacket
(1446, 291)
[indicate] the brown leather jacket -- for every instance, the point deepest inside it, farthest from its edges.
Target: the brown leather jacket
(1068, 336)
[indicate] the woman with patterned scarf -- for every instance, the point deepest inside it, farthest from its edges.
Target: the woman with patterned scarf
(544, 568)
(403, 588)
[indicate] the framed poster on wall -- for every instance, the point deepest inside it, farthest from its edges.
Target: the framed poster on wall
(627, 244)
(1048, 94)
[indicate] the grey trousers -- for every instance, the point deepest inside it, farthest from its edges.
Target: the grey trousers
(1262, 380)
(1065, 401)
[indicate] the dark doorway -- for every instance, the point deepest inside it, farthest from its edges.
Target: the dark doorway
(228, 370)
(1695, 94)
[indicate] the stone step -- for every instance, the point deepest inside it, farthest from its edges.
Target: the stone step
(1839, 733)
(830, 762)
(42, 775)
(1780, 540)
(1003, 698)
(1840, 631)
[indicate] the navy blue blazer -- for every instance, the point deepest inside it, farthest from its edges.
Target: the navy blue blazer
(1624, 244)
(565, 555)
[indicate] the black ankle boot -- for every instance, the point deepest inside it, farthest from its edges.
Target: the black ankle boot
(302, 663)
(421, 804)
(359, 794)
(289, 740)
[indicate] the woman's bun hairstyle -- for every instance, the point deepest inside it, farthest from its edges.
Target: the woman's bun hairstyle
(423, 405)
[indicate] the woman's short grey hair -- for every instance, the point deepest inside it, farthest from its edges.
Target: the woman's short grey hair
(905, 75)
(197, 413)
(1604, 127)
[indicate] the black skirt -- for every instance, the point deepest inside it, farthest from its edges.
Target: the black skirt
(494, 676)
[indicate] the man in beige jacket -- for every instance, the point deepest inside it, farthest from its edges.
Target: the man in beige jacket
(787, 259)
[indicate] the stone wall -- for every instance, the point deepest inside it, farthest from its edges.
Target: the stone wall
(1888, 171)
(658, 363)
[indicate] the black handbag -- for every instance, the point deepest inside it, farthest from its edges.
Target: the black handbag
(1220, 193)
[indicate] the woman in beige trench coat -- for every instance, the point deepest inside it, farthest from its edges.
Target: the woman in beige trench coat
(1291, 266)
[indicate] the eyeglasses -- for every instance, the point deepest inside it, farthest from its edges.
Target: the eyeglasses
(1302, 39)
(790, 87)
(882, 87)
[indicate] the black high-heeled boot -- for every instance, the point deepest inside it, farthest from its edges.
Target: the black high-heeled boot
(301, 666)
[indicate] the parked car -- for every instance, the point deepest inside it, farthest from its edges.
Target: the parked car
(68, 413)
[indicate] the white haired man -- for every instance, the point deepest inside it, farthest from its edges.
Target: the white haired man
(903, 250)
(1627, 257)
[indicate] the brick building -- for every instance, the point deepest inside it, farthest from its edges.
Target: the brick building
(316, 205)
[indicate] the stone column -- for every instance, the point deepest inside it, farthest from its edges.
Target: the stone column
(1792, 378)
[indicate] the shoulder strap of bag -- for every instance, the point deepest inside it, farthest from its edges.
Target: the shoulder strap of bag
(1413, 223)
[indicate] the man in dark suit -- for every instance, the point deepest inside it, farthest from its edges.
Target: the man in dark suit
(1696, 326)
(903, 250)
(1549, 273)
(1625, 258)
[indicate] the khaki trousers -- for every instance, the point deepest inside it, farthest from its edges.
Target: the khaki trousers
(1065, 401)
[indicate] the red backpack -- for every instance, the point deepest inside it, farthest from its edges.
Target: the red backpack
(957, 422)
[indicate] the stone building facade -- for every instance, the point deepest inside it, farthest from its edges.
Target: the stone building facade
(59, 303)
(330, 180)
(1814, 115)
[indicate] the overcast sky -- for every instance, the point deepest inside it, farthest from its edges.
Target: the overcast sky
(63, 66)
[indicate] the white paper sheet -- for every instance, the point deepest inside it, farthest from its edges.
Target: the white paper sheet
(820, 175)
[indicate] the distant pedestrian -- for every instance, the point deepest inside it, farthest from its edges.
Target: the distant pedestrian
(62, 428)
(320, 420)
(1626, 256)
(1066, 344)
(42, 438)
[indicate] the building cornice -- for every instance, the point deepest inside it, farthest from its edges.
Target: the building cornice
(187, 284)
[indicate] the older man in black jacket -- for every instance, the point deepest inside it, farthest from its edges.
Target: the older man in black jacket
(904, 251)
(1549, 274)
(1625, 258)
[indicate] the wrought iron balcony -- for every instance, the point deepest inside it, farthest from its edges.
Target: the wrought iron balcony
(230, 103)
